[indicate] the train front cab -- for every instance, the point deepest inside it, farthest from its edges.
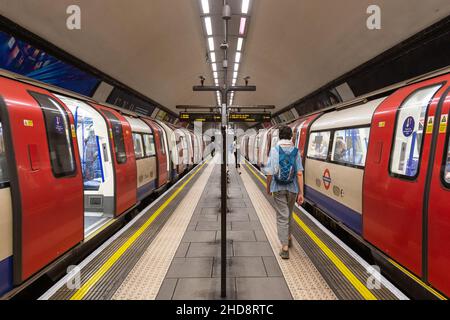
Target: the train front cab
(406, 183)
(44, 167)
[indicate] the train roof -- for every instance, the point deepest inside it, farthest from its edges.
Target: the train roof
(344, 118)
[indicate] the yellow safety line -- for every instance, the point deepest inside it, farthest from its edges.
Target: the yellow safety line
(363, 290)
(416, 279)
(82, 292)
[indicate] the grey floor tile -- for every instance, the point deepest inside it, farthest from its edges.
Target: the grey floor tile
(260, 235)
(262, 289)
(209, 211)
(238, 217)
(199, 236)
(245, 235)
(242, 267)
(272, 267)
(203, 289)
(167, 289)
(208, 217)
(190, 268)
(245, 225)
(252, 249)
(207, 250)
(182, 250)
(211, 226)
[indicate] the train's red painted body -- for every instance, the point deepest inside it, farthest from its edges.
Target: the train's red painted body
(381, 167)
(56, 197)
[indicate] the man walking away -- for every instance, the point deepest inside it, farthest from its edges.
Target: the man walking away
(285, 181)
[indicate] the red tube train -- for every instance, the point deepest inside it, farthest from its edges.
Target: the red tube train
(380, 165)
(70, 165)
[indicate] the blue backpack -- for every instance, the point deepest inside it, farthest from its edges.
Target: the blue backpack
(286, 163)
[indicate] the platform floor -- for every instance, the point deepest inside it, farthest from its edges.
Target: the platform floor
(172, 251)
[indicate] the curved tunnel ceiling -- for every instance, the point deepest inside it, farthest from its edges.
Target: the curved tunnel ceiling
(157, 47)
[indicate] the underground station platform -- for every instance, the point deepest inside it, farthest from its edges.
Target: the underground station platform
(224, 158)
(172, 250)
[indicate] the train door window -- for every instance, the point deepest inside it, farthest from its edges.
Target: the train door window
(406, 151)
(117, 132)
(319, 143)
(90, 152)
(350, 146)
(161, 141)
(446, 170)
(3, 168)
(149, 143)
(58, 136)
(138, 145)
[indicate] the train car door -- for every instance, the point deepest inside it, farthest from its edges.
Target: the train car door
(6, 220)
(161, 152)
(125, 171)
(96, 163)
(396, 172)
(45, 176)
(438, 219)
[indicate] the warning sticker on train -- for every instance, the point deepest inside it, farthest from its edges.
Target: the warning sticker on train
(430, 124)
(408, 126)
(326, 179)
(443, 124)
(28, 123)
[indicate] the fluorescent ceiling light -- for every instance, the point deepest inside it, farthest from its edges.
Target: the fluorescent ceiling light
(214, 67)
(205, 6)
(213, 57)
(235, 74)
(215, 74)
(216, 81)
(208, 26)
(242, 26)
(234, 82)
(239, 44)
(238, 57)
(236, 67)
(245, 5)
(211, 43)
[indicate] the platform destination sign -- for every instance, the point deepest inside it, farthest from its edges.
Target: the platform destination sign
(249, 117)
(202, 117)
(233, 117)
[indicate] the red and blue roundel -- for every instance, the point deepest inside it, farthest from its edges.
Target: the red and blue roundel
(326, 179)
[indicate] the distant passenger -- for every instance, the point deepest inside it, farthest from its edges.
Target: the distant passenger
(237, 154)
(285, 181)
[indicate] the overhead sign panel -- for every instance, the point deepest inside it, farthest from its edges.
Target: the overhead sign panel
(233, 117)
(249, 117)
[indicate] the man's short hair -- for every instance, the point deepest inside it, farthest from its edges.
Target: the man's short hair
(285, 133)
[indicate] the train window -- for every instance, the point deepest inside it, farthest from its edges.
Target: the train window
(319, 143)
(350, 146)
(138, 145)
(3, 168)
(163, 147)
(149, 143)
(447, 160)
(406, 152)
(117, 132)
(58, 136)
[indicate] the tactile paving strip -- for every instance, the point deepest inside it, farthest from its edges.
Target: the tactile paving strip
(302, 277)
(146, 277)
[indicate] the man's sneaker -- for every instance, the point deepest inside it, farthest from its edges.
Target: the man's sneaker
(284, 254)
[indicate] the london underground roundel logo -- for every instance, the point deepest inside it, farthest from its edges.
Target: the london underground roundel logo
(326, 179)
